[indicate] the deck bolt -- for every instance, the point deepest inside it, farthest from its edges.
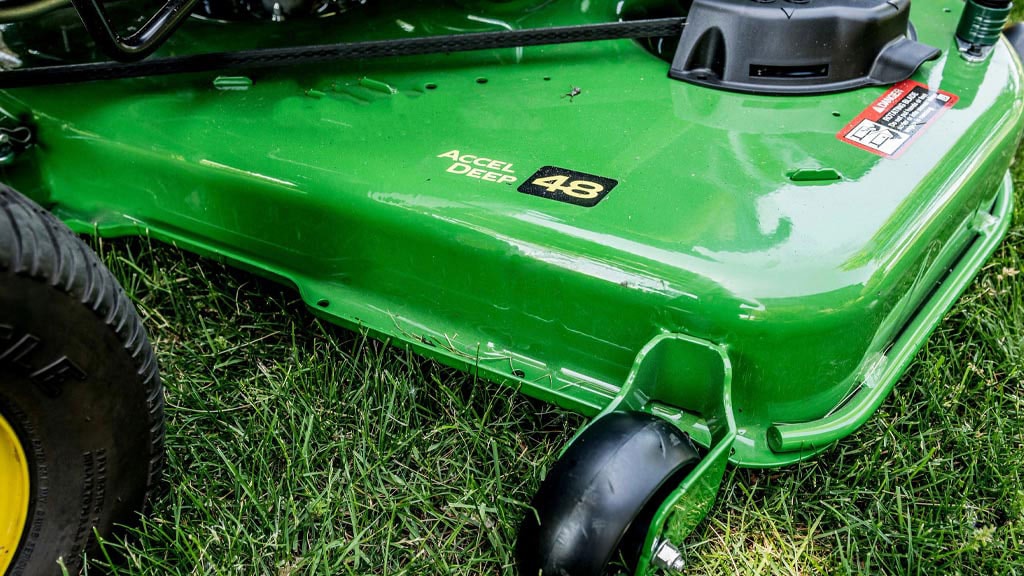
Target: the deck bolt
(668, 557)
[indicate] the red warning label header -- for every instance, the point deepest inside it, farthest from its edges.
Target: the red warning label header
(891, 123)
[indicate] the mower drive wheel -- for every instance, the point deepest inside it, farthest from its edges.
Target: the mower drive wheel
(602, 494)
(81, 405)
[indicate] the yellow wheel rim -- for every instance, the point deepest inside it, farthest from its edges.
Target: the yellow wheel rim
(13, 494)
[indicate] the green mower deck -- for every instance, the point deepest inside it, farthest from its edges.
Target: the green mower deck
(564, 219)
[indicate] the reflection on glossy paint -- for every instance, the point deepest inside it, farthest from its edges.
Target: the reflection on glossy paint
(718, 267)
(589, 381)
(247, 173)
(576, 262)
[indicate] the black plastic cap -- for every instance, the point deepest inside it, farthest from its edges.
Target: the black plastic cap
(798, 46)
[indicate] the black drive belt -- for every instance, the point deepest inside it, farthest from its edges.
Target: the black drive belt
(271, 57)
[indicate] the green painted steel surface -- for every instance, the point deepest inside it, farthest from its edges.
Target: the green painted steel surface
(680, 371)
(344, 180)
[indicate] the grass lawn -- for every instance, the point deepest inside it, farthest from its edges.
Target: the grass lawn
(299, 448)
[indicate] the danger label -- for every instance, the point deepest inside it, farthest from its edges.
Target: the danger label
(892, 122)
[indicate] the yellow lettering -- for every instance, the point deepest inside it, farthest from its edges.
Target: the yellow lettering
(490, 170)
(583, 189)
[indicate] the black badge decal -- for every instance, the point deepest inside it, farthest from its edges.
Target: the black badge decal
(570, 186)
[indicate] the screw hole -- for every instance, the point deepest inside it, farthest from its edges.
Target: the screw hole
(430, 86)
(323, 303)
(481, 80)
(835, 113)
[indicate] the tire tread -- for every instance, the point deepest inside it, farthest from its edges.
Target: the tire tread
(64, 262)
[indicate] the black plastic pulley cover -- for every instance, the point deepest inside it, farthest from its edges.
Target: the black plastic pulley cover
(798, 46)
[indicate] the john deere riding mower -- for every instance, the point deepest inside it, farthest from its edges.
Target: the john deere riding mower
(722, 228)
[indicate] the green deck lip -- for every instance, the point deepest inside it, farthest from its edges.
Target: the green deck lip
(816, 434)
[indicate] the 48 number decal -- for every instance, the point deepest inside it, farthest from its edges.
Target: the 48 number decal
(568, 186)
(584, 189)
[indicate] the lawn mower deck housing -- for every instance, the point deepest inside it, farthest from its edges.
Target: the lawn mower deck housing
(746, 231)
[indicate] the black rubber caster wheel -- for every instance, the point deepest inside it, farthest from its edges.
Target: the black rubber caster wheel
(600, 497)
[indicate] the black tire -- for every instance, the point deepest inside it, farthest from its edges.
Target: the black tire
(78, 385)
(601, 495)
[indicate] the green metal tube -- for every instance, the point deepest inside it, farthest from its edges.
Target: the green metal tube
(795, 437)
(982, 21)
(30, 10)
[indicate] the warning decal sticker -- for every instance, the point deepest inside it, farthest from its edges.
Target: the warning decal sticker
(891, 123)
